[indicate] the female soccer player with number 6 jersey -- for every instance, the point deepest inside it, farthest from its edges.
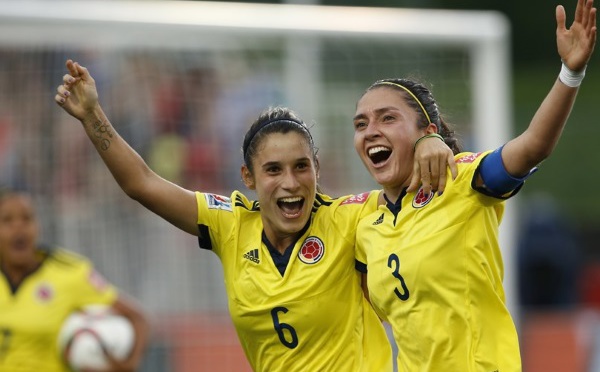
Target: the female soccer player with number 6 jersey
(435, 269)
(295, 296)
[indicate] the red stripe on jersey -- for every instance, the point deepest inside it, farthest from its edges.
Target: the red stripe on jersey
(469, 158)
(357, 199)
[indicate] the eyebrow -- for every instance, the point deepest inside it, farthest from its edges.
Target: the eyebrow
(278, 163)
(378, 112)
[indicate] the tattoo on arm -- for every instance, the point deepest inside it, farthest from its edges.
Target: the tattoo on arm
(103, 133)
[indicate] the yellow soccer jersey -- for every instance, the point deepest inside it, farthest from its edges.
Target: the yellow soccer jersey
(315, 316)
(31, 315)
(435, 273)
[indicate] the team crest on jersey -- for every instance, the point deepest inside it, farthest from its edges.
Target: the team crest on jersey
(420, 200)
(356, 199)
(215, 201)
(44, 292)
(469, 158)
(312, 250)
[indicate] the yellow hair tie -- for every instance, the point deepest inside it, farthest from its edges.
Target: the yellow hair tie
(411, 94)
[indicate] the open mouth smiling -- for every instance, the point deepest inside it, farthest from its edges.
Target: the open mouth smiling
(379, 154)
(291, 206)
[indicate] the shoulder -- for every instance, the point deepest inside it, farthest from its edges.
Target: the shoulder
(360, 199)
(240, 200)
(61, 264)
(468, 163)
(60, 259)
(207, 200)
(346, 210)
(348, 201)
(65, 257)
(217, 202)
(467, 158)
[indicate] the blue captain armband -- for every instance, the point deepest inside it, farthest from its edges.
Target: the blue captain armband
(495, 177)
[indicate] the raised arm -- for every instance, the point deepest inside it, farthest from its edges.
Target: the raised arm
(78, 96)
(575, 47)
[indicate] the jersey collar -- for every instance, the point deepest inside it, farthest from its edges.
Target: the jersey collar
(282, 260)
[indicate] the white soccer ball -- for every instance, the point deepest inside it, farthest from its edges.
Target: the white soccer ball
(84, 335)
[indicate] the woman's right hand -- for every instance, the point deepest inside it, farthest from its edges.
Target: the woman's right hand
(77, 95)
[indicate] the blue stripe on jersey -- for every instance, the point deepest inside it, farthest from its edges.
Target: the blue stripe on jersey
(360, 267)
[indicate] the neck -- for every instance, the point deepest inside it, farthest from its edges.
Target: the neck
(393, 193)
(15, 273)
(281, 242)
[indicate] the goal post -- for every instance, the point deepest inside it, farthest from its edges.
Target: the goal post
(182, 80)
(213, 25)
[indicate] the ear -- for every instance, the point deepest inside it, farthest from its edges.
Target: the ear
(317, 166)
(431, 128)
(247, 177)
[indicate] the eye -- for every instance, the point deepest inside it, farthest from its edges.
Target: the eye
(6, 219)
(359, 125)
(302, 166)
(272, 169)
(388, 118)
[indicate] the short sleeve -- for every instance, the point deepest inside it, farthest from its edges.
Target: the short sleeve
(349, 213)
(90, 287)
(360, 256)
(216, 220)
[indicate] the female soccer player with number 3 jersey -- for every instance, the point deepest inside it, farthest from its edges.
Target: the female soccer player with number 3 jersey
(434, 265)
(295, 296)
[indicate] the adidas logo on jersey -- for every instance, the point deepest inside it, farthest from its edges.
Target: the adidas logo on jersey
(379, 220)
(252, 255)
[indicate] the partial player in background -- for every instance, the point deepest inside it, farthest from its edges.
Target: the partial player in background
(435, 268)
(40, 287)
(295, 297)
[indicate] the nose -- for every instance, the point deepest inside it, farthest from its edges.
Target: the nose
(290, 180)
(372, 131)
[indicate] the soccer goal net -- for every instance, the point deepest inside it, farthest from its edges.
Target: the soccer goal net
(182, 81)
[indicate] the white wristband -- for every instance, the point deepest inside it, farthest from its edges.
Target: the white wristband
(571, 78)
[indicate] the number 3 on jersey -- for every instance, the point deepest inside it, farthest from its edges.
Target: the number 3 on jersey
(394, 264)
(280, 327)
